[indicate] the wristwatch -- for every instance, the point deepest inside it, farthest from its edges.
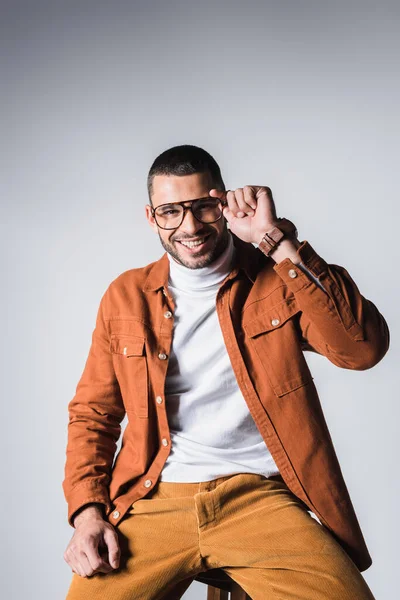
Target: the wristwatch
(270, 240)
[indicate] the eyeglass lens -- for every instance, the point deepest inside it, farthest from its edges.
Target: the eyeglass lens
(206, 210)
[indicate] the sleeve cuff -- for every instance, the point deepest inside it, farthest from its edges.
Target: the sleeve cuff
(297, 276)
(86, 494)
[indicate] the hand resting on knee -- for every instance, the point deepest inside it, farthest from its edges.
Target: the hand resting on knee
(94, 546)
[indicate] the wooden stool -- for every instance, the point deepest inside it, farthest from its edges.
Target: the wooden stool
(221, 586)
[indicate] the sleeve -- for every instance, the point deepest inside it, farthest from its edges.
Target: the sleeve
(311, 276)
(95, 414)
(336, 320)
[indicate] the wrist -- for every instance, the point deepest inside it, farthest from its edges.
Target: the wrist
(258, 235)
(88, 513)
(278, 240)
(287, 248)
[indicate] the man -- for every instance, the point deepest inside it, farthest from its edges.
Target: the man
(226, 460)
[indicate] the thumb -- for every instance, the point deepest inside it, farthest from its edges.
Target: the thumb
(228, 214)
(111, 539)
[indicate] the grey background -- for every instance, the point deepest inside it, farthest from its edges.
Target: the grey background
(300, 96)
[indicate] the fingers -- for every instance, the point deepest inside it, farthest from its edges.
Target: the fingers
(73, 558)
(111, 539)
(249, 195)
(82, 553)
(244, 207)
(214, 193)
(86, 562)
(242, 202)
(96, 562)
(247, 202)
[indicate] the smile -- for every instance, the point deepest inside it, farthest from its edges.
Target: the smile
(193, 243)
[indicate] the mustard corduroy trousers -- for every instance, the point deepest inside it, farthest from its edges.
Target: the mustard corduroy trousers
(252, 527)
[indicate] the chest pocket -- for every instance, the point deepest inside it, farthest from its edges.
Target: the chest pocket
(130, 364)
(274, 336)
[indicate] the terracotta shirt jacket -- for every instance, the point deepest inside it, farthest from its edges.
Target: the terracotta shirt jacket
(270, 313)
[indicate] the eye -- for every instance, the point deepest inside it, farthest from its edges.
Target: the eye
(207, 204)
(167, 212)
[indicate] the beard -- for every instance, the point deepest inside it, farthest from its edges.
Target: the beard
(219, 244)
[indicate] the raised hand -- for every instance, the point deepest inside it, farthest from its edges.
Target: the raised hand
(250, 211)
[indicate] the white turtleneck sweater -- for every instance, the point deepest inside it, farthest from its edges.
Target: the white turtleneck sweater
(212, 431)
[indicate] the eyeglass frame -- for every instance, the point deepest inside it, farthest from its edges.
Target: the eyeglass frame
(185, 209)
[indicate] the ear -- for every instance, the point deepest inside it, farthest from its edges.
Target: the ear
(150, 218)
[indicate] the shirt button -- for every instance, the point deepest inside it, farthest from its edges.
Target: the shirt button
(147, 483)
(159, 400)
(292, 273)
(164, 442)
(275, 322)
(168, 314)
(162, 356)
(115, 514)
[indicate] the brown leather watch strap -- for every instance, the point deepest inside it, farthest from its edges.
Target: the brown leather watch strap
(270, 240)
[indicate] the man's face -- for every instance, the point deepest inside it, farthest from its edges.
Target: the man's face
(174, 188)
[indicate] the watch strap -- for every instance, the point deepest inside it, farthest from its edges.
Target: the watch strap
(271, 238)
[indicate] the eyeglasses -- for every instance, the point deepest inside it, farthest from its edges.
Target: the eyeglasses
(171, 215)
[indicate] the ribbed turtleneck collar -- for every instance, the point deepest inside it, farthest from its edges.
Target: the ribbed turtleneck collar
(207, 278)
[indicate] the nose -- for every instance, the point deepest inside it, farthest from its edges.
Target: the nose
(190, 224)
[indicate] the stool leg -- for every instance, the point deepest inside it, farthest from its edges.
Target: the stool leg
(238, 593)
(216, 594)
(179, 589)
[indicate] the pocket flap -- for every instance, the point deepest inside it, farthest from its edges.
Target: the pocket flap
(127, 345)
(273, 318)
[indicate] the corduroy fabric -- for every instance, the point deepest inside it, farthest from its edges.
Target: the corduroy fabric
(252, 527)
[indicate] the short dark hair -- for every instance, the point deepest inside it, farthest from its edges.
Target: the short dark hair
(184, 160)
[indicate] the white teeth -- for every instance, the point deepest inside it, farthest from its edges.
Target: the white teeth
(193, 244)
